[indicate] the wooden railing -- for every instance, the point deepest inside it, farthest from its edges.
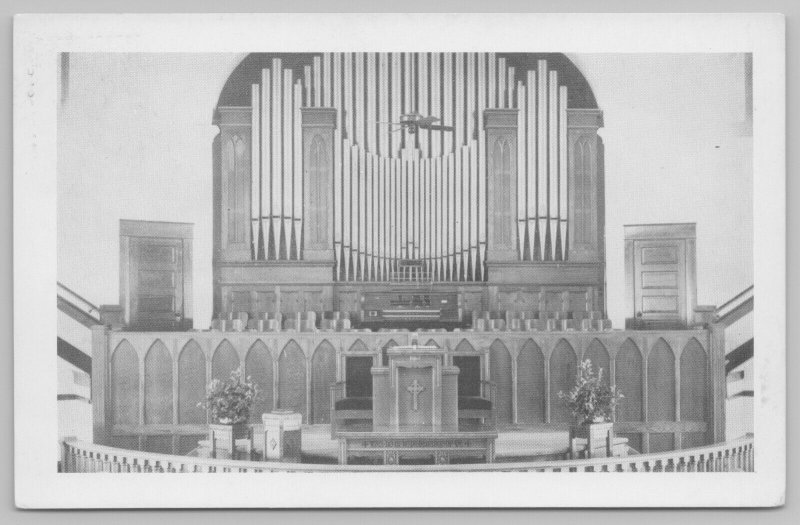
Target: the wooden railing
(735, 456)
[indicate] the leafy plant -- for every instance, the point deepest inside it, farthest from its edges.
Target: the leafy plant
(591, 398)
(229, 402)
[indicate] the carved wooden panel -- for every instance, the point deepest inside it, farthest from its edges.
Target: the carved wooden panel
(239, 301)
(323, 373)
(225, 361)
(502, 180)
(319, 166)
(563, 370)
(265, 302)
(628, 377)
(518, 301)
(191, 384)
(237, 173)
(661, 383)
(158, 385)
(125, 385)
(600, 359)
(694, 382)
(258, 366)
(500, 367)
(531, 392)
(348, 302)
(292, 379)
(583, 193)
(472, 301)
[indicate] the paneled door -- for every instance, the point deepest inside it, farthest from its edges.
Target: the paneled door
(156, 283)
(660, 282)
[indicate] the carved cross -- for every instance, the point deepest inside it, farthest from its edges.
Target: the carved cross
(415, 390)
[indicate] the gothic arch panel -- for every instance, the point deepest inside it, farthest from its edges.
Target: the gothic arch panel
(158, 385)
(323, 370)
(661, 383)
(563, 370)
(694, 379)
(628, 377)
(464, 346)
(384, 350)
(191, 384)
(500, 367)
(125, 385)
(258, 364)
(531, 384)
(225, 361)
(598, 355)
(318, 166)
(359, 346)
(292, 379)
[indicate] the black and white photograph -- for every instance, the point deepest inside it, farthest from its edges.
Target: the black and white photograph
(492, 254)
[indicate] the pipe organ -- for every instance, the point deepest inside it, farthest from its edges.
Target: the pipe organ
(514, 190)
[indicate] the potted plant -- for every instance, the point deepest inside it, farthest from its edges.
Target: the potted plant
(592, 402)
(228, 404)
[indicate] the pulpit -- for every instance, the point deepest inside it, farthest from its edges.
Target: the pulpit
(415, 390)
(415, 413)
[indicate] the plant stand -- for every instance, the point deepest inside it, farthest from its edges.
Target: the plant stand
(599, 439)
(223, 439)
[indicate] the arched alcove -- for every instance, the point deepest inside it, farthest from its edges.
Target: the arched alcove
(158, 385)
(563, 371)
(694, 382)
(292, 379)
(258, 365)
(225, 361)
(600, 359)
(192, 383)
(500, 367)
(125, 385)
(323, 370)
(628, 378)
(661, 382)
(531, 393)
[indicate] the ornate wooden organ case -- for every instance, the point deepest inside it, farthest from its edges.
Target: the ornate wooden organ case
(319, 198)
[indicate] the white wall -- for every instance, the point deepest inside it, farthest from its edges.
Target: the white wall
(135, 142)
(677, 150)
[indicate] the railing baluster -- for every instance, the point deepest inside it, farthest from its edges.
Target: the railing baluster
(736, 456)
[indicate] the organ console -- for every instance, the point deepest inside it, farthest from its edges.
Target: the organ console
(397, 196)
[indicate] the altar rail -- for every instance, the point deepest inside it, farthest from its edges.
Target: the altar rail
(736, 456)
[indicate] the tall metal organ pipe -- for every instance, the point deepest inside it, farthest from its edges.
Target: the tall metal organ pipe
(401, 196)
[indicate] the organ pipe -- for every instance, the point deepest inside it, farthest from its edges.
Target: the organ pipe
(399, 195)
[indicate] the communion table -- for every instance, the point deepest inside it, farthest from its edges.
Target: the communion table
(415, 414)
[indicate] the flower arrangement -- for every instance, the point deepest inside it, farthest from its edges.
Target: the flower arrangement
(229, 402)
(591, 400)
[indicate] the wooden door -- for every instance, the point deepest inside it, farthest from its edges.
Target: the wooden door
(156, 283)
(660, 282)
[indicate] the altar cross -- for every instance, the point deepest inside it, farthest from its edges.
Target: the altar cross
(415, 389)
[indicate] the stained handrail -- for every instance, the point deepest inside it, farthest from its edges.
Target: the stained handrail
(87, 311)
